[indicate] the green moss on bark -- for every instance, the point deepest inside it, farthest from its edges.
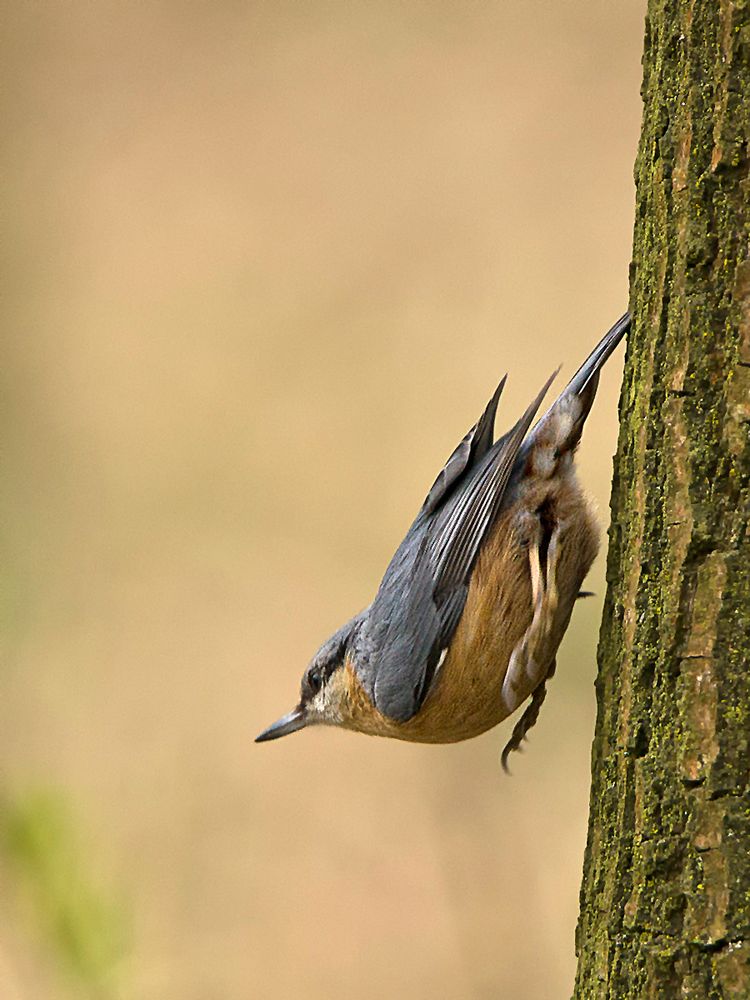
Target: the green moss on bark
(665, 900)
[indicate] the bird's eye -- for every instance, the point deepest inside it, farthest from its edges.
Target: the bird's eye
(314, 680)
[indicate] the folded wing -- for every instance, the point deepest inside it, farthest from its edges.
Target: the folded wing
(422, 595)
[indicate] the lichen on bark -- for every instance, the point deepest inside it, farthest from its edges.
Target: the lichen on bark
(665, 900)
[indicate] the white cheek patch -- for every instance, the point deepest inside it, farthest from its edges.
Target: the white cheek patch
(325, 707)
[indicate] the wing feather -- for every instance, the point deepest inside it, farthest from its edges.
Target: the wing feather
(472, 447)
(460, 528)
(422, 595)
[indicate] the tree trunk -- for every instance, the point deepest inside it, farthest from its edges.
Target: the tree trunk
(665, 901)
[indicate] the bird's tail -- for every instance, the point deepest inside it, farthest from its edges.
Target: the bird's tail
(564, 420)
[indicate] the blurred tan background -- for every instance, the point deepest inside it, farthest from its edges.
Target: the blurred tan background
(265, 263)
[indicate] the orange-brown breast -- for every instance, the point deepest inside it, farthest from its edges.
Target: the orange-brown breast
(465, 699)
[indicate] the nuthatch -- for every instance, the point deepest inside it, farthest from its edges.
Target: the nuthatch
(472, 608)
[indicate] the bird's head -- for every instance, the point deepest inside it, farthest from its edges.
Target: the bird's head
(325, 692)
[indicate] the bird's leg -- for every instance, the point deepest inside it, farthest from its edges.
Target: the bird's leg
(513, 681)
(527, 720)
(551, 595)
(527, 664)
(537, 579)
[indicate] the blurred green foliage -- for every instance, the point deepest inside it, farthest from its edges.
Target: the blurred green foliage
(85, 927)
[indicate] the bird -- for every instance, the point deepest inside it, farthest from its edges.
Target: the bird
(466, 623)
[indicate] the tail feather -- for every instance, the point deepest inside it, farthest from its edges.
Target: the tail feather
(598, 357)
(563, 422)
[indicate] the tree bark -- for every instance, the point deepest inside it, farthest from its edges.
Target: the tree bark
(665, 900)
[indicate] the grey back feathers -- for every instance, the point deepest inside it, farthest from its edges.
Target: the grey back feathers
(398, 642)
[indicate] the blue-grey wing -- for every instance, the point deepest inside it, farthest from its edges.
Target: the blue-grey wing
(470, 450)
(460, 527)
(422, 595)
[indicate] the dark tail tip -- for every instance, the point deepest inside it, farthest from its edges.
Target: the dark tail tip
(584, 383)
(601, 353)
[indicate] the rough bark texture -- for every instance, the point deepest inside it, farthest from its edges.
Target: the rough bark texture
(665, 901)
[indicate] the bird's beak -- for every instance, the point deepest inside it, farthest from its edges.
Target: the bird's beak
(296, 719)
